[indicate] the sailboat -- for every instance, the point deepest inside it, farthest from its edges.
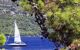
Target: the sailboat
(17, 38)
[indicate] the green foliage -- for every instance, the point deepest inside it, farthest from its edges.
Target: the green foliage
(40, 4)
(2, 39)
(62, 1)
(63, 48)
(76, 1)
(25, 5)
(26, 24)
(49, 13)
(63, 17)
(53, 36)
(65, 21)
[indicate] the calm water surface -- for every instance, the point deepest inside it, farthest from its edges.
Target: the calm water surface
(33, 43)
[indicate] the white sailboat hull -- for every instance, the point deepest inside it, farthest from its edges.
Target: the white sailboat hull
(17, 44)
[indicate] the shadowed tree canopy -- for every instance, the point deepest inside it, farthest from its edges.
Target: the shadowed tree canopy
(13, 0)
(63, 17)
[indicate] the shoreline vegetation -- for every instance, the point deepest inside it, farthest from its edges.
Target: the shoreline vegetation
(2, 39)
(26, 24)
(62, 16)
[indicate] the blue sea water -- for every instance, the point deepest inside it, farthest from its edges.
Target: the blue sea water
(33, 43)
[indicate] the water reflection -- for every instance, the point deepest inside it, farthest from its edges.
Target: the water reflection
(3, 49)
(17, 48)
